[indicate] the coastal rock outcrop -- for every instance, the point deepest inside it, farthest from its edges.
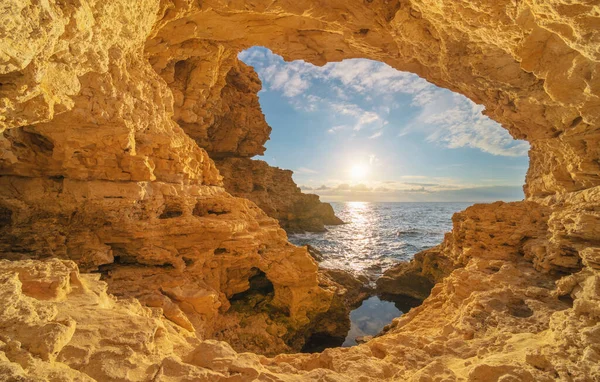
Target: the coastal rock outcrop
(502, 231)
(187, 249)
(110, 112)
(275, 192)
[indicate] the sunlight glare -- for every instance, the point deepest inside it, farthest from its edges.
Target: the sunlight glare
(358, 172)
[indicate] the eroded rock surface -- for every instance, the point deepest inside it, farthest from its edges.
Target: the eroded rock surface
(111, 111)
(508, 231)
(216, 103)
(274, 191)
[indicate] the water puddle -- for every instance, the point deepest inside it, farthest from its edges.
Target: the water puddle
(370, 318)
(366, 320)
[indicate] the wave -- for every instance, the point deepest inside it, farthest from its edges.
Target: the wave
(376, 238)
(408, 231)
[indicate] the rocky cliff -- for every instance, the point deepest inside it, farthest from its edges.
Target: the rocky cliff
(216, 103)
(274, 191)
(112, 111)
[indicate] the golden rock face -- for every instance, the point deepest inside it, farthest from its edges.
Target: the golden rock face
(112, 110)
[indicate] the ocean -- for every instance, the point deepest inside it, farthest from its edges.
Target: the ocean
(378, 235)
(375, 237)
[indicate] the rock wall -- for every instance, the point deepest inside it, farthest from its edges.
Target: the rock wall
(216, 103)
(114, 184)
(102, 107)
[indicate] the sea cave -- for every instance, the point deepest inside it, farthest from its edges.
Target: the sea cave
(140, 240)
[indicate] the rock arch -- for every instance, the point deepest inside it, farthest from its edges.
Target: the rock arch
(105, 106)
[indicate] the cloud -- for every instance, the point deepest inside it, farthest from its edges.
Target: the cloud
(454, 121)
(361, 118)
(421, 194)
(445, 118)
(337, 128)
(305, 170)
(254, 55)
(411, 183)
(422, 184)
(360, 187)
(367, 118)
(376, 134)
(422, 189)
(285, 79)
(371, 77)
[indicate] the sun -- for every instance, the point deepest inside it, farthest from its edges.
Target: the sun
(358, 172)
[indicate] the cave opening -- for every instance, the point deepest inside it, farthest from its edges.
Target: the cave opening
(394, 155)
(97, 139)
(260, 287)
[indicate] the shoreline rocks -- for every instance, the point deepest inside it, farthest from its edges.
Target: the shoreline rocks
(275, 192)
(413, 278)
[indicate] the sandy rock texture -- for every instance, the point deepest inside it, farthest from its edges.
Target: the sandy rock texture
(216, 103)
(111, 111)
(275, 192)
(113, 183)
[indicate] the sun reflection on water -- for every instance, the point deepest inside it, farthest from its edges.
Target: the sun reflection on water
(377, 235)
(363, 222)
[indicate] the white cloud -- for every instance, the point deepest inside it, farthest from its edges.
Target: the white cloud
(286, 79)
(361, 118)
(367, 118)
(413, 177)
(365, 76)
(447, 119)
(430, 188)
(305, 170)
(454, 121)
(337, 128)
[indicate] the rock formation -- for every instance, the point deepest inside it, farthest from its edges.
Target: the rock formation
(274, 191)
(500, 230)
(216, 103)
(112, 111)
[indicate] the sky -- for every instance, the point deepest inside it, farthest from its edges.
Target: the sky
(359, 130)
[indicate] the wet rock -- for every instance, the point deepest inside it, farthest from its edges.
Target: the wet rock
(404, 280)
(355, 288)
(501, 231)
(330, 328)
(314, 253)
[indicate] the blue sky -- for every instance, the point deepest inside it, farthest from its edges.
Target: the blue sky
(360, 130)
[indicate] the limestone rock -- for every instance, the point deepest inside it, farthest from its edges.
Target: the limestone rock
(405, 279)
(314, 253)
(186, 249)
(363, 339)
(215, 99)
(354, 289)
(274, 191)
(502, 231)
(216, 103)
(492, 319)
(102, 107)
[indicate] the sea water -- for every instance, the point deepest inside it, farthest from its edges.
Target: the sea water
(375, 237)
